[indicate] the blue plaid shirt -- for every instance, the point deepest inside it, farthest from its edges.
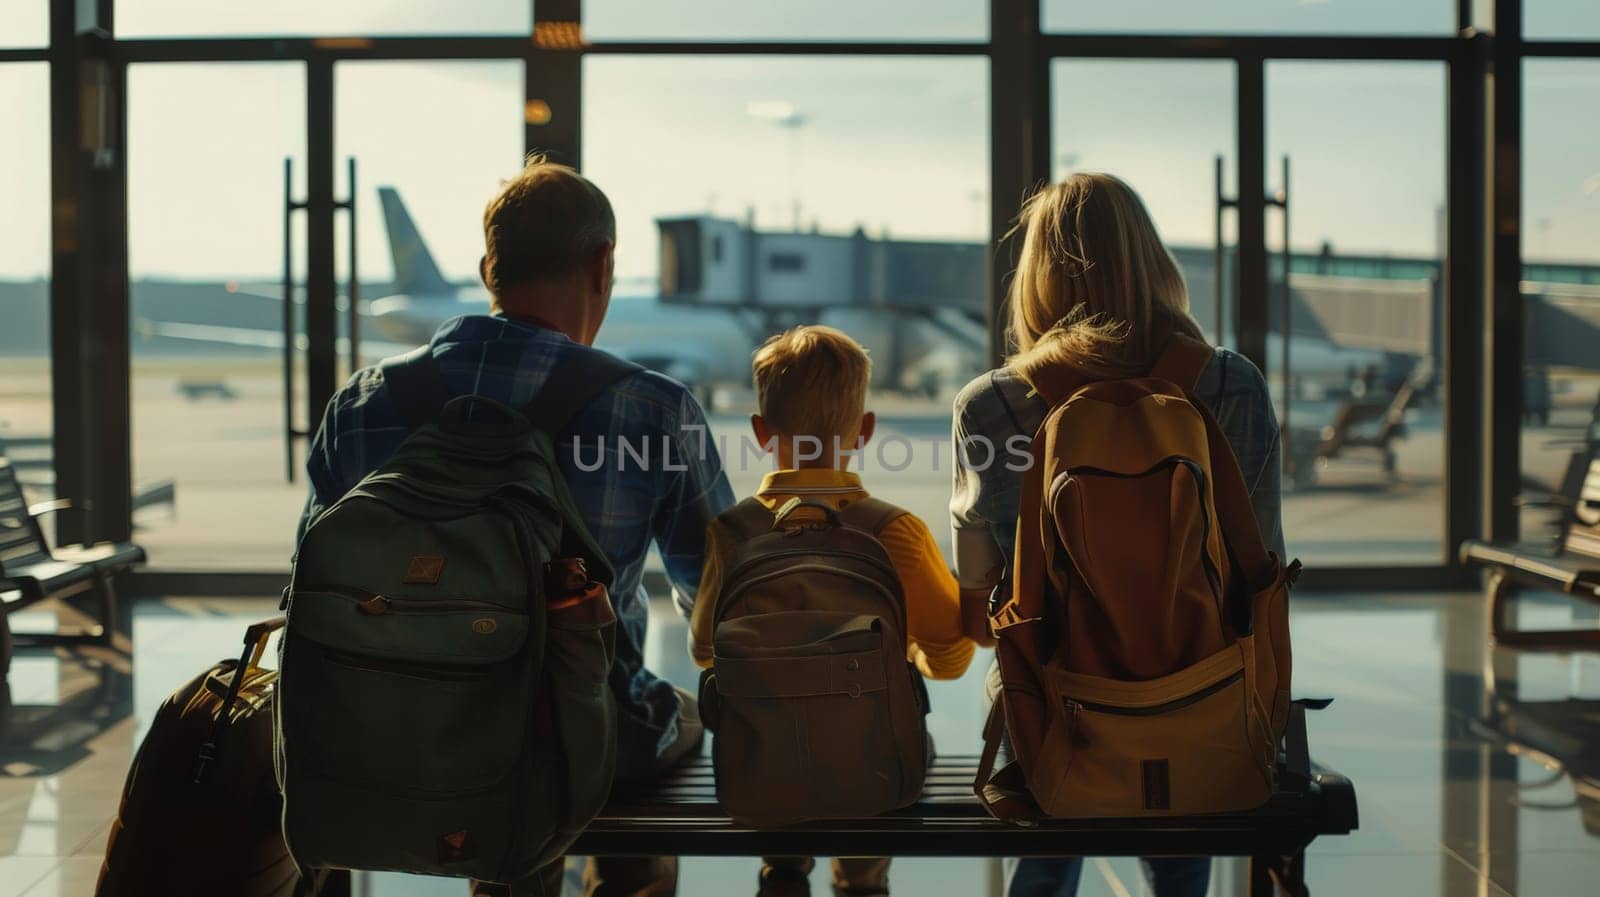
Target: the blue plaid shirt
(626, 504)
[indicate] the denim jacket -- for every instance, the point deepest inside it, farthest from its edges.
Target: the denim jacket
(998, 406)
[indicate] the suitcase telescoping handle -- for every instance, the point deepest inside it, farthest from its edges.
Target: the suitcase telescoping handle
(255, 643)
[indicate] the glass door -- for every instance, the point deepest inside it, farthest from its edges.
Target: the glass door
(206, 151)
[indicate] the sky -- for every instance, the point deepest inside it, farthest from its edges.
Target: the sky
(895, 145)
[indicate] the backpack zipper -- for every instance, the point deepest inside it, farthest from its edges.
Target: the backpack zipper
(1075, 706)
(746, 564)
(374, 604)
(723, 601)
(439, 671)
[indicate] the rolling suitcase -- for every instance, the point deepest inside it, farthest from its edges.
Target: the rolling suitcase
(200, 809)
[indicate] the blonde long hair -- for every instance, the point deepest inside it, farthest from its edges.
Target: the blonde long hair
(1094, 288)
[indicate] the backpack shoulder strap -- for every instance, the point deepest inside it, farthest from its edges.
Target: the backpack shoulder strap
(747, 519)
(870, 514)
(1183, 361)
(1053, 381)
(577, 380)
(415, 386)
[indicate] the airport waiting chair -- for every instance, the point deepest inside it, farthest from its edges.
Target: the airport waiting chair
(31, 572)
(1570, 564)
(30, 457)
(1350, 429)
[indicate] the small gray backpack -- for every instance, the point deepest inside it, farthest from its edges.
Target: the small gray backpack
(817, 713)
(438, 712)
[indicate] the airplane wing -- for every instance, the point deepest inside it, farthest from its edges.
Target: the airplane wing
(252, 338)
(678, 362)
(274, 292)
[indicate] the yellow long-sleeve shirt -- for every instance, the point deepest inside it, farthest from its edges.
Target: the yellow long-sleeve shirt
(933, 602)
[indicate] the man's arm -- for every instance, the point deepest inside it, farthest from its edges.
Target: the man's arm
(694, 490)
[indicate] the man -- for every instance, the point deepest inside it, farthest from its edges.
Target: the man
(549, 239)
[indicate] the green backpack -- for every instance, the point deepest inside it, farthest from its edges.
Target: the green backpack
(438, 711)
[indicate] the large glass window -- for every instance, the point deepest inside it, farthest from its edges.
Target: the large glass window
(1561, 275)
(197, 18)
(24, 23)
(786, 20)
(205, 247)
(1160, 126)
(25, 411)
(1252, 16)
(1361, 397)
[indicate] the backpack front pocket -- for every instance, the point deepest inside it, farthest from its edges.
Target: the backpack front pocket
(805, 727)
(440, 695)
(1188, 743)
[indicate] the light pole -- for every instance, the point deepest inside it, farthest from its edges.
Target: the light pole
(784, 114)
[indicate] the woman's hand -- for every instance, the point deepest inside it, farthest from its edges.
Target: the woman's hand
(975, 616)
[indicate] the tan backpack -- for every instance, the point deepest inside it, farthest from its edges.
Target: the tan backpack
(816, 712)
(1144, 648)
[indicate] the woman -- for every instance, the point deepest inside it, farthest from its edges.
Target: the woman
(1095, 289)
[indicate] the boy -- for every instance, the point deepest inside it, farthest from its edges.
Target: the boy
(811, 389)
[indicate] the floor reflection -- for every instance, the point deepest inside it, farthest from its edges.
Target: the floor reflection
(1478, 770)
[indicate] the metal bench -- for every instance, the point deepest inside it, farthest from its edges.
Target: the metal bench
(1570, 563)
(30, 572)
(680, 816)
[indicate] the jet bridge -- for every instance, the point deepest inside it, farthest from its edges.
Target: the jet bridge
(919, 306)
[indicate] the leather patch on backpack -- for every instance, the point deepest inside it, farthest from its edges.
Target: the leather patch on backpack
(456, 847)
(1157, 785)
(424, 569)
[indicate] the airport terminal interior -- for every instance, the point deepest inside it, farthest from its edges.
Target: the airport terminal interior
(213, 213)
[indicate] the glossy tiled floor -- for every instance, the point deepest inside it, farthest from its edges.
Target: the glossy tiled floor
(1447, 806)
